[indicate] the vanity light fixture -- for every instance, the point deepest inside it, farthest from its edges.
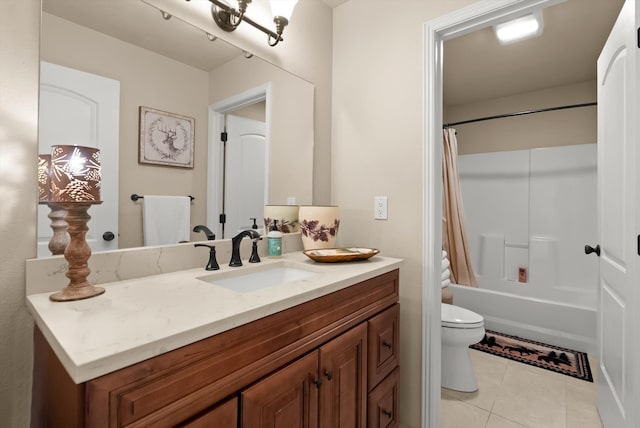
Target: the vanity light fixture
(229, 18)
(524, 27)
(75, 184)
(60, 238)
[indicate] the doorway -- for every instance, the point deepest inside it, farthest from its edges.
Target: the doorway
(249, 113)
(461, 22)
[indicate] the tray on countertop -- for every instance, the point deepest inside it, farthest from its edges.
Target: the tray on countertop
(345, 254)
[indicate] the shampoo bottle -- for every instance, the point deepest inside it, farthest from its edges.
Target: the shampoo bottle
(274, 241)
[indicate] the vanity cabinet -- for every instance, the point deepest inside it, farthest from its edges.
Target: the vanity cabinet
(326, 388)
(329, 362)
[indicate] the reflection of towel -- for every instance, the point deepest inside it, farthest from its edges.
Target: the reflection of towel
(446, 273)
(166, 219)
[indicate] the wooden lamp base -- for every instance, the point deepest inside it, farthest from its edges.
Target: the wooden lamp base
(60, 239)
(77, 255)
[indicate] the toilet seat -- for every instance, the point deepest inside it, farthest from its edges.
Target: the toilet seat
(457, 317)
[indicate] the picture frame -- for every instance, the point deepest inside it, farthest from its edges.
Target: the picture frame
(165, 138)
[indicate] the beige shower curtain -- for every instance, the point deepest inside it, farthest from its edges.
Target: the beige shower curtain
(454, 236)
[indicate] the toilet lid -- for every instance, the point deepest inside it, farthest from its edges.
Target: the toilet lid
(457, 317)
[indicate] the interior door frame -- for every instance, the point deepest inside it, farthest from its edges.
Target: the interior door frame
(215, 156)
(457, 23)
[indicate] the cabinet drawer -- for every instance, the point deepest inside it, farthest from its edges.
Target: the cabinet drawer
(384, 344)
(224, 416)
(383, 403)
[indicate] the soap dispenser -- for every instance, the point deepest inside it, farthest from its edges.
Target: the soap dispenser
(274, 241)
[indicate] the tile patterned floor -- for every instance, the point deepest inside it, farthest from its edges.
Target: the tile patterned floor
(516, 395)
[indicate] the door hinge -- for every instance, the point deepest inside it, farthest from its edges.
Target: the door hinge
(223, 218)
(638, 246)
(638, 39)
(223, 136)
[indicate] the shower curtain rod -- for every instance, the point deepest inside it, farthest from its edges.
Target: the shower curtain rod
(518, 113)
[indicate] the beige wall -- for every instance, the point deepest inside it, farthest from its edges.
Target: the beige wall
(19, 23)
(253, 112)
(378, 57)
(555, 128)
(146, 79)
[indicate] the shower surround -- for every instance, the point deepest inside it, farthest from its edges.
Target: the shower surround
(529, 214)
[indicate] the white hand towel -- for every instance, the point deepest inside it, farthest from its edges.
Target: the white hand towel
(445, 264)
(445, 283)
(444, 254)
(166, 219)
(446, 274)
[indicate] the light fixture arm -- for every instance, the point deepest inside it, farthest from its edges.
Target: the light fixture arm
(281, 22)
(229, 18)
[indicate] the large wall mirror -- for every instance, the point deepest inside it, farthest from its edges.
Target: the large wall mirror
(159, 62)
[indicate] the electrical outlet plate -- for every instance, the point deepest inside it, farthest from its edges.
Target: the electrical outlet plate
(380, 208)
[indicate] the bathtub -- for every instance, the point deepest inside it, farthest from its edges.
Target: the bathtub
(561, 324)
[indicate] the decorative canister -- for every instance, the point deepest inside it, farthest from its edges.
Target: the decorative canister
(319, 225)
(287, 216)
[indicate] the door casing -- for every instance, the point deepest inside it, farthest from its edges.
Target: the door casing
(215, 156)
(457, 23)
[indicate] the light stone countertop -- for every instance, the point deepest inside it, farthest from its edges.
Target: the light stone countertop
(141, 318)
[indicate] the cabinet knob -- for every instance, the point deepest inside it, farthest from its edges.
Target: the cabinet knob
(108, 236)
(387, 413)
(387, 345)
(317, 382)
(328, 374)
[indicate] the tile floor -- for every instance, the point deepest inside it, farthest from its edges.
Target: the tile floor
(516, 395)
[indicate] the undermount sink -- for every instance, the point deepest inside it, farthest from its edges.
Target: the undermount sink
(245, 280)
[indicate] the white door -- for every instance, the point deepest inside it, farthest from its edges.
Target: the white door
(245, 174)
(618, 212)
(82, 109)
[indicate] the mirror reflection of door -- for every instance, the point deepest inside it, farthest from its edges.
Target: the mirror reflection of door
(245, 169)
(78, 108)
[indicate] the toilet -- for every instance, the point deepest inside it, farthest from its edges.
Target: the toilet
(460, 328)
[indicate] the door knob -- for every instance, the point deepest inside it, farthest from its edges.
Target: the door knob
(108, 236)
(589, 249)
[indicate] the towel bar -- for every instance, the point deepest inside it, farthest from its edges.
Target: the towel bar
(135, 197)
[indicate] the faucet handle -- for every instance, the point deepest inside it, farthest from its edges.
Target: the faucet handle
(212, 264)
(255, 258)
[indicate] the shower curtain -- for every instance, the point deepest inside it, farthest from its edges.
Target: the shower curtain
(454, 236)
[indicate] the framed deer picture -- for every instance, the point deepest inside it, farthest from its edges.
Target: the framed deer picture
(165, 138)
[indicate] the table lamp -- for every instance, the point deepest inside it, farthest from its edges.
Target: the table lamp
(75, 185)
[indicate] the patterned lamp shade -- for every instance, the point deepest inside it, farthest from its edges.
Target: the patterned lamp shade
(44, 178)
(75, 174)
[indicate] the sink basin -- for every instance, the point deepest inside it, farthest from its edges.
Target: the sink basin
(246, 280)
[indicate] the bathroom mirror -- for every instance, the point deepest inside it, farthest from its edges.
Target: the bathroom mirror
(166, 64)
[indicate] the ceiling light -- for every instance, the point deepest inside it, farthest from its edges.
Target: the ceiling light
(525, 27)
(228, 18)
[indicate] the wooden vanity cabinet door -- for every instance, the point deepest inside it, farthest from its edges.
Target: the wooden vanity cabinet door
(384, 344)
(286, 399)
(383, 403)
(223, 416)
(343, 370)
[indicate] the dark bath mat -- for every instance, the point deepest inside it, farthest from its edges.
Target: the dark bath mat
(560, 360)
